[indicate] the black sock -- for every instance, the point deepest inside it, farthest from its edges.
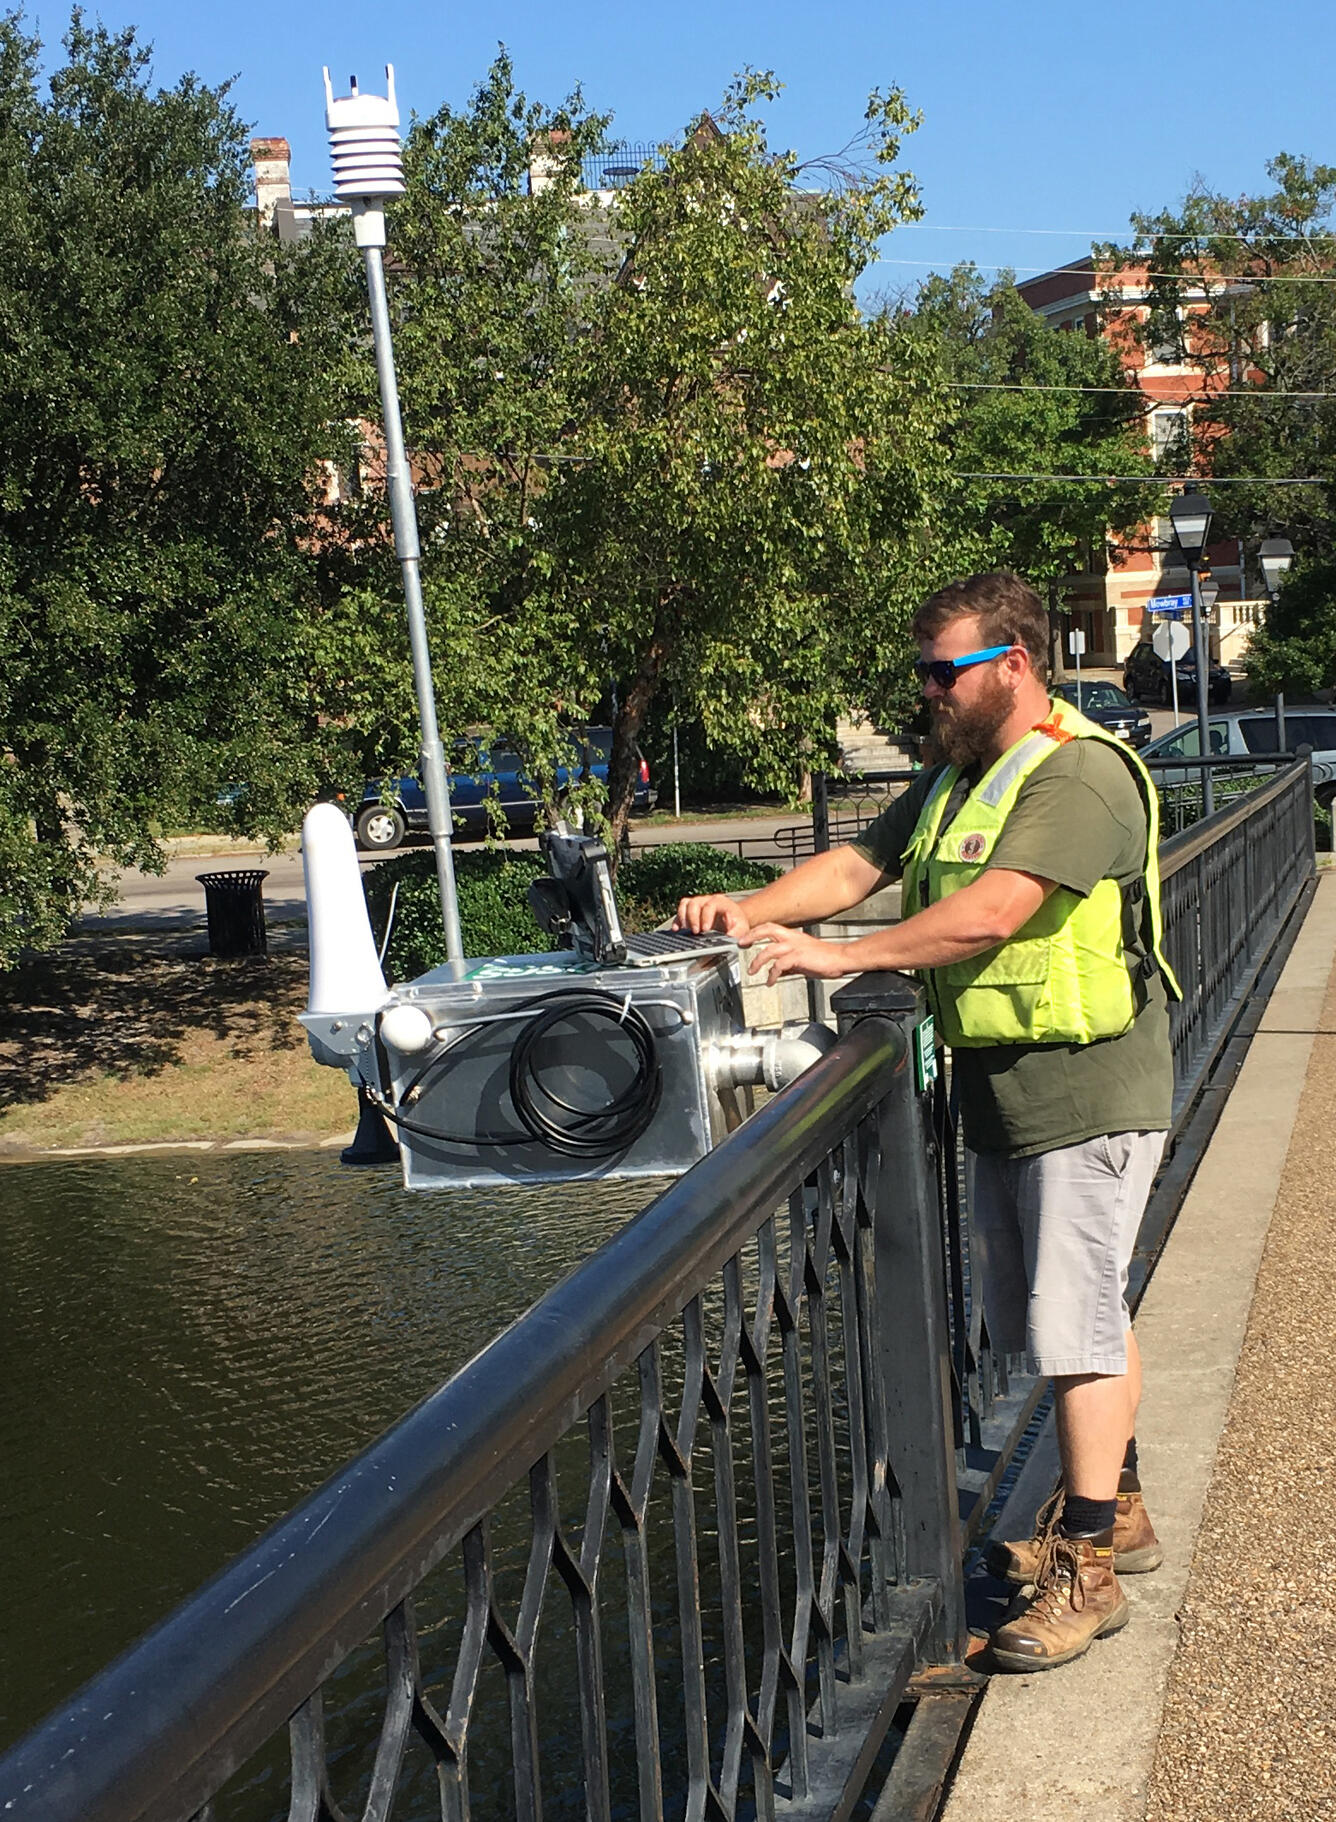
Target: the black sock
(1086, 1517)
(1130, 1480)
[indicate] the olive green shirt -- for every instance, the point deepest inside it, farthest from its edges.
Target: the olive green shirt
(1078, 818)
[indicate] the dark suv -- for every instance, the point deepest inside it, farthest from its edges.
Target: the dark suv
(1146, 677)
(481, 770)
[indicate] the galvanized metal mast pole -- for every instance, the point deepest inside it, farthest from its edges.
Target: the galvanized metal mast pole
(364, 147)
(403, 513)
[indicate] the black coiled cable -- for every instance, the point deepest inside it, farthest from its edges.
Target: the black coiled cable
(587, 1133)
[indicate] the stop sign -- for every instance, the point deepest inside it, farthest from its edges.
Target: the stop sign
(1170, 640)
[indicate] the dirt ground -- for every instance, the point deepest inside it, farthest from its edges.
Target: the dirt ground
(137, 1039)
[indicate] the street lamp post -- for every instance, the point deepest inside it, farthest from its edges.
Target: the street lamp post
(1191, 516)
(1275, 556)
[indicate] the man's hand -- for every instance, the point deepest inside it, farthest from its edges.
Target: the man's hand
(783, 951)
(715, 912)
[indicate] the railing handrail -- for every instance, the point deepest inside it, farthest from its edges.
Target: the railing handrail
(1178, 850)
(155, 1733)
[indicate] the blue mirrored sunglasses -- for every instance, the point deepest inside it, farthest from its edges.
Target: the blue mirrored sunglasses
(944, 671)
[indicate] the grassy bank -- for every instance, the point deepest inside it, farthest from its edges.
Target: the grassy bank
(141, 1040)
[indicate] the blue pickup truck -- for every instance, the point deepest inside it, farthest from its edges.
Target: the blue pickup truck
(479, 770)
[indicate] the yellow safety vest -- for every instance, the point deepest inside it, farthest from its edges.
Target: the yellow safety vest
(1066, 976)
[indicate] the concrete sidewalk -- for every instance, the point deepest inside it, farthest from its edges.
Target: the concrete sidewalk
(1215, 1703)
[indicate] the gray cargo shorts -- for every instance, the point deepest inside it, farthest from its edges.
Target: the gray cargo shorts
(1054, 1236)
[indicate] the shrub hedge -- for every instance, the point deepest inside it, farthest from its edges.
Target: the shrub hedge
(494, 913)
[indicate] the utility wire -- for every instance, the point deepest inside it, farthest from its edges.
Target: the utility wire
(1196, 398)
(1085, 271)
(1152, 480)
(1104, 234)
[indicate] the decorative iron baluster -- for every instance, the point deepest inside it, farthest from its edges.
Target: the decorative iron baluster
(631, 1506)
(675, 1450)
(580, 1575)
(311, 1800)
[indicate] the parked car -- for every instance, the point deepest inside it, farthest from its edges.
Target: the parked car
(1107, 705)
(1147, 678)
(1252, 731)
(482, 770)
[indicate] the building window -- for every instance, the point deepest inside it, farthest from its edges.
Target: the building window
(1164, 342)
(1169, 435)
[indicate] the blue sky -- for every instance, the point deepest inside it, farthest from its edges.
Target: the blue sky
(1035, 117)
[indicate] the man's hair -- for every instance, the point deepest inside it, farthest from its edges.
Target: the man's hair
(1010, 613)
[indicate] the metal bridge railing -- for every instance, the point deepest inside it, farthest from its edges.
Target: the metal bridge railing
(1228, 885)
(677, 1541)
(673, 1543)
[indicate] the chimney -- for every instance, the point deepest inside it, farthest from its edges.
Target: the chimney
(544, 161)
(272, 162)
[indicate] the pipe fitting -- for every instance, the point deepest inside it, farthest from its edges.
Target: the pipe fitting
(773, 1056)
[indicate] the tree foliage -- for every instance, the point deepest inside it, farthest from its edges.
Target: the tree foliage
(164, 403)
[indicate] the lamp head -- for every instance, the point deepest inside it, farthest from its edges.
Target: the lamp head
(1275, 556)
(1191, 515)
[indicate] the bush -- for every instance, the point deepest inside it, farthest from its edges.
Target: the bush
(494, 912)
(652, 881)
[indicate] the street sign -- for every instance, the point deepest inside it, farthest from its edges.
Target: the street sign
(1171, 641)
(1076, 643)
(1170, 604)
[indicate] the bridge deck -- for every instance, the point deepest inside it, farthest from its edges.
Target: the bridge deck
(1214, 1704)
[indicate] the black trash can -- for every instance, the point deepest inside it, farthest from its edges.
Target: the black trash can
(235, 905)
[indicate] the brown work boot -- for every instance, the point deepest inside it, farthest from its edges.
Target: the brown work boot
(1076, 1600)
(1136, 1549)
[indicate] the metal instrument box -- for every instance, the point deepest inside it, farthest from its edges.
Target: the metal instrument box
(457, 1119)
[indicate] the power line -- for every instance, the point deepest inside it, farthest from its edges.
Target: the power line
(1087, 271)
(1204, 398)
(1152, 480)
(1105, 234)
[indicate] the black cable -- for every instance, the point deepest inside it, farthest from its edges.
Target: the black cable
(592, 1132)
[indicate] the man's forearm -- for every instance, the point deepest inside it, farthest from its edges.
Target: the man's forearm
(955, 929)
(965, 924)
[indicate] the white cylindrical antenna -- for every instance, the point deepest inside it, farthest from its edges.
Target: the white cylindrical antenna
(364, 145)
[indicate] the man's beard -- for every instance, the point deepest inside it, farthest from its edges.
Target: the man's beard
(963, 737)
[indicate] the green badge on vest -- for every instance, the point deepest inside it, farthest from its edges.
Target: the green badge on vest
(925, 1054)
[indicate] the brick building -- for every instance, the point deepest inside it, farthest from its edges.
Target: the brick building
(1108, 602)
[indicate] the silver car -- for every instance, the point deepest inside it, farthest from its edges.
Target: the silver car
(1253, 731)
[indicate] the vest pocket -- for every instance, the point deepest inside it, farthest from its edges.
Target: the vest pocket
(1013, 964)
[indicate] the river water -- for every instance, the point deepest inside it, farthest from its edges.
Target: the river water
(192, 1343)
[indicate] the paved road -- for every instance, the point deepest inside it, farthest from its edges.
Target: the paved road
(175, 901)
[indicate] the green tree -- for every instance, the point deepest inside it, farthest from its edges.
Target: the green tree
(754, 446)
(1243, 287)
(1032, 400)
(165, 400)
(660, 446)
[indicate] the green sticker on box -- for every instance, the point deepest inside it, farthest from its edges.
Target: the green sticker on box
(925, 1054)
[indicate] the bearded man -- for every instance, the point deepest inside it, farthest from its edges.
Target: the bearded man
(1031, 909)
